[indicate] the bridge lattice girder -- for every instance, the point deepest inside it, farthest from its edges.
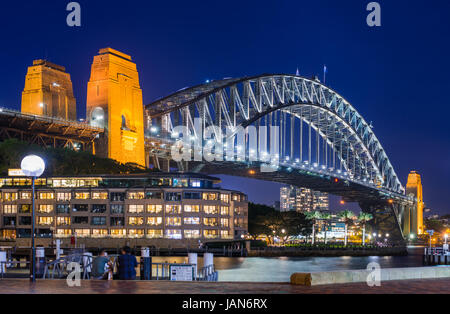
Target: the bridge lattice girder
(320, 130)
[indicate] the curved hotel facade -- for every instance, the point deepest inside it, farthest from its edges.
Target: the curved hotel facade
(112, 210)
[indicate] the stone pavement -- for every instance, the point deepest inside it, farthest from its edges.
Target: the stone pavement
(21, 286)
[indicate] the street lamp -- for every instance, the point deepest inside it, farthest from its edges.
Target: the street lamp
(33, 166)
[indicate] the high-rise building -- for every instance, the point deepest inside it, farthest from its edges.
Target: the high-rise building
(48, 91)
(114, 102)
(302, 199)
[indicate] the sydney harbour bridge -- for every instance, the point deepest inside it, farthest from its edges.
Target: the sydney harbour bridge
(281, 128)
(321, 141)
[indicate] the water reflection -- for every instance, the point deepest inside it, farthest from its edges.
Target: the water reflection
(279, 269)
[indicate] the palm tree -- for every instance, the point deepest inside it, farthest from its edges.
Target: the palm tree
(325, 217)
(347, 216)
(363, 219)
(313, 216)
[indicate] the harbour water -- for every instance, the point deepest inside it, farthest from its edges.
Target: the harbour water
(279, 269)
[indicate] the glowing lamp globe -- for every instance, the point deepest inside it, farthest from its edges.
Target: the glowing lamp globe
(33, 166)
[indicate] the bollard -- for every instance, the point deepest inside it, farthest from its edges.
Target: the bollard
(2, 262)
(40, 262)
(208, 261)
(193, 260)
(146, 264)
(58, 250)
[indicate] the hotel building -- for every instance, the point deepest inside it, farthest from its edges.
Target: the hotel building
(110, 210)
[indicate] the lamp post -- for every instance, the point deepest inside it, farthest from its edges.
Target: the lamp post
(33, 166)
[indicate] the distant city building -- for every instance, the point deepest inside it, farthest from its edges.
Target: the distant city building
(108, 211)
(48, 91)
(302, 200)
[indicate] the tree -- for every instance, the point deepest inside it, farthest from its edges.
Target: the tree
(294, 224)
(363, 218)
(265, 220)
(262, 220)
(61, 161)
(313, 216)
(347, 216)
(326, 218)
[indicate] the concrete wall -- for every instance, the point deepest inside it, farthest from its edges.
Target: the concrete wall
(353, 276)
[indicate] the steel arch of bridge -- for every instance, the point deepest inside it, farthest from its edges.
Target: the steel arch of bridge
(338, 139)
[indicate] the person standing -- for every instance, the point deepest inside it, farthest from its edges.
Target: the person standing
(127, 264)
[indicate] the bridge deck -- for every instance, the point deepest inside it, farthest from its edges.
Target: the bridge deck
(28, 127)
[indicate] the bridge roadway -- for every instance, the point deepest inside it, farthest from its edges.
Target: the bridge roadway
(47, 131)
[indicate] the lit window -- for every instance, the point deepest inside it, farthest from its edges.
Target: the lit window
(46, 195)
(191, 220)
(63, 221)
(136, 233)
(99, 233)
(135, 209)
(173, 234)
(173, 209)
(25, 195)
(9, 209)
(154, 209)
(9, 197)
(224, 210)
(133, 221)
(189, 234)
(196, 183)
(45, 209)
(225, 198)
(224, 234)
(210, 196)
(224, 222)
(82, 195)
(210, 233)
(25, 208)
(118, 233)
(136, 195)
(63, 197)
(82, 233)
(173, 221)
(45, 221)
(154, 221)
(99, 195)
(63, 233)
(191, 208)
(210, 222)
(180, 182)
(154, 233)
(210, 209)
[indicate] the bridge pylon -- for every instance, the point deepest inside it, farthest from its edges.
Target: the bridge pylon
(414, 188)
(114, 102)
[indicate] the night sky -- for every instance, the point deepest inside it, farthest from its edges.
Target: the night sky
(396, 75)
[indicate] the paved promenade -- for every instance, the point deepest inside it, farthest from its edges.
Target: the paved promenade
(18, 286)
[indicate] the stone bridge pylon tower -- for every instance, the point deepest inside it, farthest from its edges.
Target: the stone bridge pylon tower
(114, 102)
(414, 187)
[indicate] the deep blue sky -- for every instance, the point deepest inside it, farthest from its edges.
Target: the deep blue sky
(396, 75)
